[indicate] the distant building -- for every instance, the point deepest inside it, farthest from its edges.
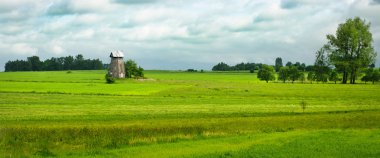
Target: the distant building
(116, 68)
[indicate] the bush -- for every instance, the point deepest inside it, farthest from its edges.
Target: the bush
(109, 79)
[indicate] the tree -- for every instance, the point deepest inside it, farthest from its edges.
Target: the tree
(266, 73)
(140, 72)
(301, 77)
(311, 77)
(371, 75)
(375, 76)
(309, 68)
(130, 69)
(289, 64)
(321, 65)
(68, 63)
(302, 67)
(33, 63)
(294, 73)
(351, 48)
(36, 64)
(278, 64)
(221, 67)
(283, 73)
(334, 76)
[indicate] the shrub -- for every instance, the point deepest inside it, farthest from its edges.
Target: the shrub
(109, 79)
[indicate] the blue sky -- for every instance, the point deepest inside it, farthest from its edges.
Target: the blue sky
(177, 34)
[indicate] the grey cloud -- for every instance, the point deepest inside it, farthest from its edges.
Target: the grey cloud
(262, 18)
(375, 2)
(289, 4)
(69, 7)
(60, 8)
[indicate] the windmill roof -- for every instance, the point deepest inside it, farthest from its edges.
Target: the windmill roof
(116, 54)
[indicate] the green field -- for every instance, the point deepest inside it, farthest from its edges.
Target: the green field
(182, 114)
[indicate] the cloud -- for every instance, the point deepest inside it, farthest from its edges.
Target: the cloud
(177, 34)
(133, 1)
(22, 48)
(375, 2)
(290, 4)
(67, 7)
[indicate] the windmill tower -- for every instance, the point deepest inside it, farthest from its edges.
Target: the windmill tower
(116, 68)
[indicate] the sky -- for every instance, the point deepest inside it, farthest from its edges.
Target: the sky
(177, 34)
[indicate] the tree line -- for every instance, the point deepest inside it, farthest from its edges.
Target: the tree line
(252, 67)
(292, 73)
(347, 55)
(238, 67)
(34, 63)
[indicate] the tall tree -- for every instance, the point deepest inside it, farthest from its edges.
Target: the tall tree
(266, 73)
(283, 74)
(278, 64)
(289, 63)
(351, 48)
(36, 64)
(321, 65)
(130, 68)
(294, 73)
(334, 76)
(311, 76)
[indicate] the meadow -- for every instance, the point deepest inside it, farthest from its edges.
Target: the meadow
(184, 114)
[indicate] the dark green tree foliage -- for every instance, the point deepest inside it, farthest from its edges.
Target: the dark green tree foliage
(294, 74)
(191, 70)
(302, 77)
(334, 76)
(289, 64)
(35, 63)
(132, 71)
(291, 73)
(311, 76)
(221, 67)
(63, 63)
(371, 75)
(278, 64)
(140, 72)
(351, 48)
(321, 65)
(309, 68)
(302, 67)
(109, 79)
(18, 65)
(283, 74)
(238, 67)
(266, 73)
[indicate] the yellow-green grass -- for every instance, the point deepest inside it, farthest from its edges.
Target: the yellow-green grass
(175, 114)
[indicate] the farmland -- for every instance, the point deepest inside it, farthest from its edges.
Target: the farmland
(182, 114)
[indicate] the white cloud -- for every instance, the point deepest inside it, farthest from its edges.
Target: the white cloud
(168, 34)
(22, 48)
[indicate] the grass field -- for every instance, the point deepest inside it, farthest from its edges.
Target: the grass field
(182, 114)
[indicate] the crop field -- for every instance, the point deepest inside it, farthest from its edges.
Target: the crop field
(184, 114)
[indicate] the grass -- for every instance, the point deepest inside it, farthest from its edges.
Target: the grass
(181, 114)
